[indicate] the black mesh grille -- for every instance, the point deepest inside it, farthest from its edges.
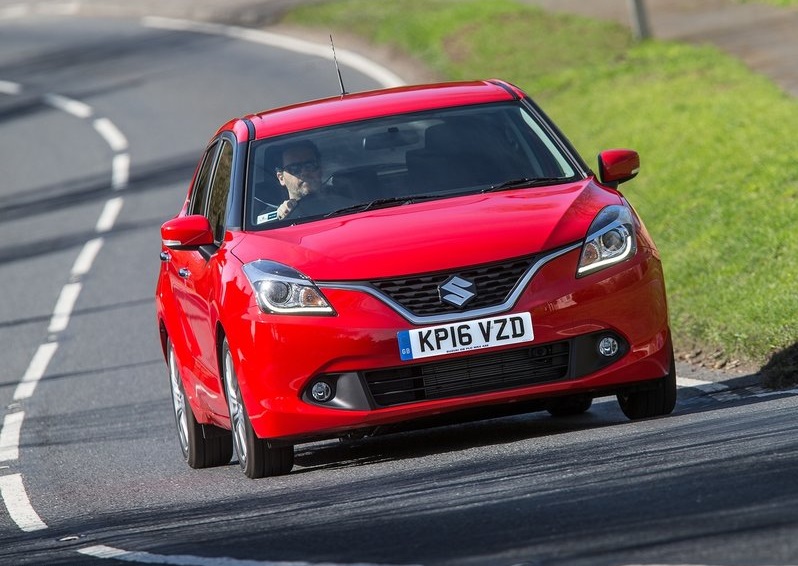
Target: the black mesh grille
(421, 297)
(469, 374)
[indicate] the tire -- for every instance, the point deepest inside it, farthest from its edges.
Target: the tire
(569, 406)
(255, 456)
(655, 402)
(203, 446)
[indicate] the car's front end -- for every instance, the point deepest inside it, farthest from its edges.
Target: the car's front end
(542, 313)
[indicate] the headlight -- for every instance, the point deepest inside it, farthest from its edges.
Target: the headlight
(280, 289)
(611, 239)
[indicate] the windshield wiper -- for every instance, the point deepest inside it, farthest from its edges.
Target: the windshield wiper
(524, 182)
(381, 203)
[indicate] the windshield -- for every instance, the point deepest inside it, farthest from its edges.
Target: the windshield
(399, 160)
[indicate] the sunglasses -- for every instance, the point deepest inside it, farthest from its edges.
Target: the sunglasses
(309, 166)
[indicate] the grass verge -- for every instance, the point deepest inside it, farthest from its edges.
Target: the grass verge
(718, 188)
(774, 2)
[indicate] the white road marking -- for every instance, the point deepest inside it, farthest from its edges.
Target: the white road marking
(9, 436)
(86, 257)
(109, 552)
(12, 491)
(120, 171)
(770, 393)
(14, 11)
(706, 386)
(111, 134)
(687, 382)
(38, 365)
(109, 214)
(349, 58)
(18, 504)
(12, 89)
(64, 307)
(70, 106)
(58, 8)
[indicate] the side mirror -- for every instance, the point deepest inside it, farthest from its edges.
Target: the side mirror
(617, 166)
(187, 232)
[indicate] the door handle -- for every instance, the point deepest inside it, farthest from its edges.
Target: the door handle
(184, 272)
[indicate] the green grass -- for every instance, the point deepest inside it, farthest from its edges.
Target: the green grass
(718, 188)
(774, 2)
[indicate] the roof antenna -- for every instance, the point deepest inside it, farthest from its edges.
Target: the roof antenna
(338, 69)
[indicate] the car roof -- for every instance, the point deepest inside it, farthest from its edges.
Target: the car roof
(371, 104)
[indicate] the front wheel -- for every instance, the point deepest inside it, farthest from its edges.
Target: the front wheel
(654, 402)
(255, 456)
(201, 448)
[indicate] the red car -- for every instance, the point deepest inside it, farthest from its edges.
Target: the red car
(376, 258)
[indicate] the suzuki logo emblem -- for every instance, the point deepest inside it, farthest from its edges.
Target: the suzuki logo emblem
(457, 291)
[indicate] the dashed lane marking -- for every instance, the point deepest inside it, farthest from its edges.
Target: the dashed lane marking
(109, 215)
(111, 134)
(76, 108)
(36, 368)
(12, 490)
(64, 307)
(9, 436)
(18, 504)
(86, 257)
(9, 88)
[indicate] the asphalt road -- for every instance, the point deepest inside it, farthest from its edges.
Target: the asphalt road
(101, 125)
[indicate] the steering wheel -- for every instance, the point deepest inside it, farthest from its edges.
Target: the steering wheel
(300, 207)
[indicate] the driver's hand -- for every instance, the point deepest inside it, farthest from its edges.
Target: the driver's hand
(285, 209)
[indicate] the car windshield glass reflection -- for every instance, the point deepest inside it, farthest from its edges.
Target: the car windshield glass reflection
(399, 160)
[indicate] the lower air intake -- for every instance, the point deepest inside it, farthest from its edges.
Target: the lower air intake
(469, 375)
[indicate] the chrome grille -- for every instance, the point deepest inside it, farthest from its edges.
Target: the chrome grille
(420, 295)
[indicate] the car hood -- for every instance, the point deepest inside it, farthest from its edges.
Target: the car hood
(433, 236)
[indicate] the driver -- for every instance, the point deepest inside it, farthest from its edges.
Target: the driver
(299, 171)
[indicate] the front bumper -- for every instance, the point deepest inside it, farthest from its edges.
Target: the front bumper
(279, 358)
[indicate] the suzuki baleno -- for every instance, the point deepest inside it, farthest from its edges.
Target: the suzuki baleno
(377, 258)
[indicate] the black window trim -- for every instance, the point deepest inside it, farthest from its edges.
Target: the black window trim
(210, 154)
(233, 215)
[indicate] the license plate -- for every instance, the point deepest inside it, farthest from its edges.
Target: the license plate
(465, 336)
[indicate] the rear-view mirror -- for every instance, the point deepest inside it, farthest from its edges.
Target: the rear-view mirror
(391, 139)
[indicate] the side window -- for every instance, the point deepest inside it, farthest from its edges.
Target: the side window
(220, 189)
(200, 190)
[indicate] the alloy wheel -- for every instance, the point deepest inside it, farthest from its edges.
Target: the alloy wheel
(178, 401)
(236, 406)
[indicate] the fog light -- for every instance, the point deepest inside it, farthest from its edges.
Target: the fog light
(321, 391)
(608, 346)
